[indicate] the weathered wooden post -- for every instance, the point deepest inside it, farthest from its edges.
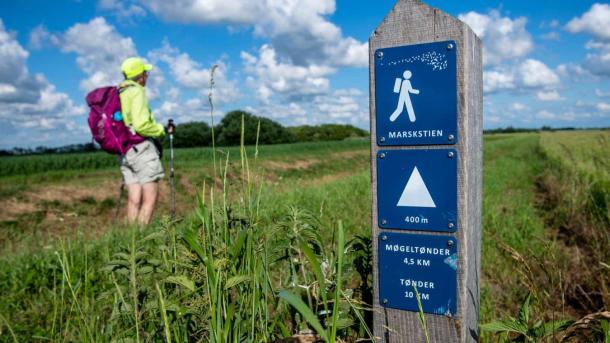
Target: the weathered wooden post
(426, 99)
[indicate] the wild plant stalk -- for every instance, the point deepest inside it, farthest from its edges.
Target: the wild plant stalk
(55, 305)
(133, 282)
(233, 254)
(421, 316)
(211, 101)
(360, 318)
(168, 336)
(8, 326)
(338, 282)
(65, 267)
(328, 334)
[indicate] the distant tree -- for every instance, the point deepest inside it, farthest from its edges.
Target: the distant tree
(510, 129)
(305, 133)
(326, 132)
(229, 130)
(89, 147)
(192, 134)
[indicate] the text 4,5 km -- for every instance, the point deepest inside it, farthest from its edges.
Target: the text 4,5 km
(416, 262)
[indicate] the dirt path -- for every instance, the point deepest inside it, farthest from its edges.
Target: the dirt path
(51, 211)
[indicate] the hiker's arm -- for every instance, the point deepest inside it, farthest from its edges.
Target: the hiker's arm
(142, 120)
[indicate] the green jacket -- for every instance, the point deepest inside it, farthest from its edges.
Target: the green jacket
(136, 114)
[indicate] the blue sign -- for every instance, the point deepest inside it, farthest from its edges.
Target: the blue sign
(416, 94)
(425, 262)
(417, 189)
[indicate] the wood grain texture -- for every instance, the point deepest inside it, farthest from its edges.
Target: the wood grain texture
(412, 22)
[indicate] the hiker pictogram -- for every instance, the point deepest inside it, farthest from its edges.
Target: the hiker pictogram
(404, 87)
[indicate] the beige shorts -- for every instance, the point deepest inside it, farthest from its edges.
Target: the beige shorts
(141, 164)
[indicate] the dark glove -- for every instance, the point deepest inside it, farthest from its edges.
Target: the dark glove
(171, 128)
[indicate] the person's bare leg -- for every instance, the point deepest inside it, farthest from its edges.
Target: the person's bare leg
(134, 201)
(149, 199)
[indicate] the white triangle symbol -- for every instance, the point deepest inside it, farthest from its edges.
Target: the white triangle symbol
(416, 193)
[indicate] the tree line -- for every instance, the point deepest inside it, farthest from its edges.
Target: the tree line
(226, 133)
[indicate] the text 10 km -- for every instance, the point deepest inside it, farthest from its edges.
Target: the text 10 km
(422, 296)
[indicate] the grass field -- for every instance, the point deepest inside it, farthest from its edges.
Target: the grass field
(271, 223)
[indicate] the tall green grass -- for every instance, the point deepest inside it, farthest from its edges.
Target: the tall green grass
(214, 276)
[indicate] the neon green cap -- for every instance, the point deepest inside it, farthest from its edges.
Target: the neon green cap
(134, 66)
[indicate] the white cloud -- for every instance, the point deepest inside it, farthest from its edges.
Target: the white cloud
(596, 21)
(575, 72)
(603, 106)
(40, 37)
(298, 30)
(517, 106)
(551, 95)
(599, 63)
(347, 106)
(529, 74)
(124, 10)
(503, 38)
(341, 105)
(536, 74)
(100, 50)
(496, 80)
(190, 74)
(270, 76)
(28, 100)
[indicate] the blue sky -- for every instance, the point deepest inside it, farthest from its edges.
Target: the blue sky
(295, 61)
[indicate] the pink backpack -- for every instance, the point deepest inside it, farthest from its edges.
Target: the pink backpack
(109, 132)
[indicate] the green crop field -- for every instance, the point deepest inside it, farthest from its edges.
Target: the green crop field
(273, 240)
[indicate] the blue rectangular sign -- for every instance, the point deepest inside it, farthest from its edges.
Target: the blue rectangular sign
(416, 94)
(425, 262)
(417, 189)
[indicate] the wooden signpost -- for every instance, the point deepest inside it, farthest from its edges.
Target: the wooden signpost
(426, 96)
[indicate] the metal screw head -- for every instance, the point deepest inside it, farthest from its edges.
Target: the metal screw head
(382, 139)
(382, 155)
(384, 238)
(450, 137)
(385, 301)
(383, 222)
(449, 46)
(379, 54)
(450, 225)
(449, 243)
(450, 154)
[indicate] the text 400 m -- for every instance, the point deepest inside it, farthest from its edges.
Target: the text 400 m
(416, 219)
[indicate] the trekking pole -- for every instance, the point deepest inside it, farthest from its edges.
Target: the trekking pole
(118, 203)
(170, 131)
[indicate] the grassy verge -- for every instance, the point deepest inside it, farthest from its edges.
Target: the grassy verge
(575, 198)
(513, 234)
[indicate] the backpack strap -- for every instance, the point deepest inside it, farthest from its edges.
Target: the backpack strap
(122, 88)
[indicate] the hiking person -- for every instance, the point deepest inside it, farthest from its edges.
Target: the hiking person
(141, 165)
